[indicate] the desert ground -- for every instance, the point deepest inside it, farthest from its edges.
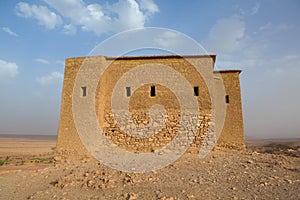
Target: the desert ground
(268, 169)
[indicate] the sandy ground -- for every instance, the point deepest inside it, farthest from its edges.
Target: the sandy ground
(266, 170)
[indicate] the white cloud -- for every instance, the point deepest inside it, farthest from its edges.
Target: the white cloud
(10, 32)
(41, 13)
(237, 49)
(247, 11)
(116, 17)
(269, 27)
(167, 39)
(288, 65)
(8, 69)
(266, 26)
(70, 29)
(129, 15)
(53, 78)
(43, 61)
(226, 35)
(148, 5)
(255, 9)
(122, 15)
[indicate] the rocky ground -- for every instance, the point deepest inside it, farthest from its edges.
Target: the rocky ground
(266, 170)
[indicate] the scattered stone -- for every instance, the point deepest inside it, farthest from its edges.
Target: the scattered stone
(168, 198)
(86, 174)
(191, 197)
(57, 158)
(158, 194)
(263, 184)
(131, 196)
(289, 181)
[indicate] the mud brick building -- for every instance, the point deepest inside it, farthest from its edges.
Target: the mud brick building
(217, 94)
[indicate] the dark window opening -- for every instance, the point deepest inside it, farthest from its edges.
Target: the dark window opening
(227, 98)
(83, 91)
(128, 91)
(196, 91)
(152, 91)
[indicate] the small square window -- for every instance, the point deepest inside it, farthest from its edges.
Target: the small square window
(196, 91)
(152, 91)
(83, 91)
(128, 91)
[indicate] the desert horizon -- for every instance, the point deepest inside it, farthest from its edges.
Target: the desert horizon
(266, 169)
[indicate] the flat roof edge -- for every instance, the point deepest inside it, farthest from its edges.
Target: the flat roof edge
(148, 57)
(159, 56)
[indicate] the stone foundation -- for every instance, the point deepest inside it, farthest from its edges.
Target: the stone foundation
(139, 142)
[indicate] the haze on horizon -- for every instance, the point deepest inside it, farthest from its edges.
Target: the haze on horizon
(260, 37)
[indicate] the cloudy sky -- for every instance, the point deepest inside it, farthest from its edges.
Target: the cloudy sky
(259, 37)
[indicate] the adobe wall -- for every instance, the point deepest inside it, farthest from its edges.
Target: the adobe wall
(68, 140)
(232, 134)
(140, 103)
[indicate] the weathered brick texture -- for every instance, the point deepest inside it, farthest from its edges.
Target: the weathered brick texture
(210, 83)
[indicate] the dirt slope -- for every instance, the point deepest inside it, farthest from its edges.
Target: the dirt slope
(224, 174)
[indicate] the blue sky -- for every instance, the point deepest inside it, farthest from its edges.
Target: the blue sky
(259, 37)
